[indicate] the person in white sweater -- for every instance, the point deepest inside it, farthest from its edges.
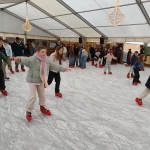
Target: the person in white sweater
(56, 57)
(84, 57)
(64, 52)
(8, 52)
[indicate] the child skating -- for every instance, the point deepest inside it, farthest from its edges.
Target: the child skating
(132, 62)
(109, 58)
(138, 67)
(39, 66)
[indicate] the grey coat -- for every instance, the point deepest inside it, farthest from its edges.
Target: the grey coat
(33, 75)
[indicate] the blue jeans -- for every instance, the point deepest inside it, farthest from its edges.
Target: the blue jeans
(32, 52)
(84, 58)
(64, 55)
(71, 61)
(80, 61)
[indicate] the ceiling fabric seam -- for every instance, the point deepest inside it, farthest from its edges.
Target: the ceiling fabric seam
(56, 19)
(81, 18)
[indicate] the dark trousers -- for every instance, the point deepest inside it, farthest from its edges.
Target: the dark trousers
(136, 75)
(92, 60)
(2, 81)
(16, 65)
(76, 59)
(104, 61)
(55, 75)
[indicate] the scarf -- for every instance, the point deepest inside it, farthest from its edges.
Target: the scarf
(43, 68)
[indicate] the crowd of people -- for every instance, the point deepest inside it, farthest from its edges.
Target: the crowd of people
(42, 69)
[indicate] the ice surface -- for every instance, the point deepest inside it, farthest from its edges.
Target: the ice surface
(97, 112)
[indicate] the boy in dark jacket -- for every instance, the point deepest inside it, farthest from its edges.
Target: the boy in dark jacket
(2, 81)
(132, 62)
(18, 48)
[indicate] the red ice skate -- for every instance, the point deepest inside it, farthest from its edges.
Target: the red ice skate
(128, 75)
(11, 71)
(22, 68)
(134, 83)
(139, 82)
(58, 95)
(4, 92)
(16, 69)
(139, 101)
(45, 111)
(104, 72)
(28, 116)
(110, 72)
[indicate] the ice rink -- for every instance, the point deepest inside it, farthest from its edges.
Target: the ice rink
(97, 112)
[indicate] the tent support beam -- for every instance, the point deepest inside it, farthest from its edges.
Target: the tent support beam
(48, 14)
(80, 17)
(143, 10)
(31, 23)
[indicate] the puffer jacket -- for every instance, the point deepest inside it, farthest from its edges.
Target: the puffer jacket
(33, 75)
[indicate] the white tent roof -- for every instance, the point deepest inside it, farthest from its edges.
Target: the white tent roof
(76, 18)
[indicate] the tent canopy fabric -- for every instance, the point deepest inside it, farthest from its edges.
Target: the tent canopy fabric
(76, 18)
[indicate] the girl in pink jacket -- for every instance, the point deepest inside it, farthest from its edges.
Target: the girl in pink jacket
(109, 58)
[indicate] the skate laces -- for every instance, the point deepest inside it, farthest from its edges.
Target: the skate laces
(29, 113)
(44, 108)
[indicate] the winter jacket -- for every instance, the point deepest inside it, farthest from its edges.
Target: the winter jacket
(148, 83)
(8, 49)
(142, 51)
(129, 55)
(4, 58)
(110, 57)
(101, 54)
(2, 49)
(76, 52)
(33, 75)
(138, 66)
(53, 59)
(18, 48)
(92, 52)
(71, 53)
(84, 53)
(133, 59)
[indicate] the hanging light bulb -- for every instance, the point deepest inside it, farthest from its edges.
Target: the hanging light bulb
(27, 26)
(116, 17)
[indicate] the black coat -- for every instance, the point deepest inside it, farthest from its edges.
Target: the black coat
(128, 57)
(92, 51)
(2, 49)
(148, 83)
(142, 51)
(101, 54)
(18, 48)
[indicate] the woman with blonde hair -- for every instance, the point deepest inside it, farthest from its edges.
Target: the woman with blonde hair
(56, 57)
(138, 67)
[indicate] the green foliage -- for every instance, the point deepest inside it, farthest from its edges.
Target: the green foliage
(146, 49)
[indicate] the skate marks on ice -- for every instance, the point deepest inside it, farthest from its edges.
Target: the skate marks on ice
(97, 112)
